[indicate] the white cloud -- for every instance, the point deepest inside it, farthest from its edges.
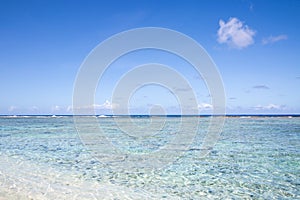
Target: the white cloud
(56, 108)
(270, 106)
(205, 106)
(273, 106)
(12, 108)
(273, 39)
(235, 33)
(34, 108)
(69, 109)
(107, 105)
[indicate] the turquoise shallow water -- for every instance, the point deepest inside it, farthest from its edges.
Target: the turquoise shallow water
(254, 158)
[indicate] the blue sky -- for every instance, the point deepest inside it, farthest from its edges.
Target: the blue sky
(254, 44)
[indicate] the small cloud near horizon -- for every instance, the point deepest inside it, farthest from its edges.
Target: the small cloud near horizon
(273, 39)
(205, 106)
(56, 108)
(12, 108)
(235, 33)
(270, 106)
(34, 108)
(107, 105)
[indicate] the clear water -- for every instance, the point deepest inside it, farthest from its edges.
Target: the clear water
(255, 158)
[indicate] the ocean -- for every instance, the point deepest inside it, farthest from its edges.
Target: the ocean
(44, 157)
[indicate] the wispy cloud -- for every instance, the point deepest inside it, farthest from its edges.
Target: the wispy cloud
(107, 105)
(34, 108)
(56, 108)
(261, 87)
(12, 108)
(273, 39)
(251, 7)
(69, 109)
(270, 106)
(235, 33)
(205, 106)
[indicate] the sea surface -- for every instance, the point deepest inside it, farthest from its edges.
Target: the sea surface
(44, 157)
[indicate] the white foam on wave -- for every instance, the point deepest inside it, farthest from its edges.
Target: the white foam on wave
(245, 117)
(12, 116)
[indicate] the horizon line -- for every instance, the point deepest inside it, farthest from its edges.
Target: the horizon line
(170, 115)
